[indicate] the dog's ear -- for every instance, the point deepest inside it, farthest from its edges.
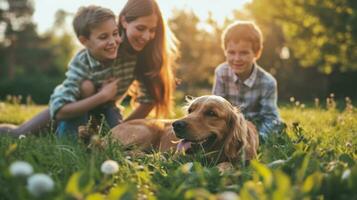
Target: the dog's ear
(236, 137)
(189, 98)
(253, 142)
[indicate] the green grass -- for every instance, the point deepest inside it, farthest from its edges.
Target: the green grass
(318, 148)
(17, 113)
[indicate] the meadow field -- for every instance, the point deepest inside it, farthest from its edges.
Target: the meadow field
(315, 158)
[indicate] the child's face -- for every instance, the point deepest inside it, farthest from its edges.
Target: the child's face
(240, 57)
(141, 31)
(103, 41)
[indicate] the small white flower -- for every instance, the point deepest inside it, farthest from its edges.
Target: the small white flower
(292, 99)
(140, 167)
(346, 174)
(39, 184)
(186, 168)
(22, 136)
(228, 195)
(189, 165)
(109, 167)
(348, 144)
(20, 168)
(276, 163)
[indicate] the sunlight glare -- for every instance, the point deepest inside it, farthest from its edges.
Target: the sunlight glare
(45, 10)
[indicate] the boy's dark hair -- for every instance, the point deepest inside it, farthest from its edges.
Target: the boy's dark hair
(89, 17)
(243, 30)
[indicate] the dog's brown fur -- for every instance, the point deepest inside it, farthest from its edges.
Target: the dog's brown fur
(208, 117)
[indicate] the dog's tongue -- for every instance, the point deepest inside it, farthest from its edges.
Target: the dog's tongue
(183, 146)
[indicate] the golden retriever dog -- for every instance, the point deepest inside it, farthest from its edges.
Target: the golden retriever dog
(211, 124)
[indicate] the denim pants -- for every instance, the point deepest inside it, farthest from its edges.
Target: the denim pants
(69, 127)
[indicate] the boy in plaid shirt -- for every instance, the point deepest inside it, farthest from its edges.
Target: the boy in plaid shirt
(243, 82)
(97, 31)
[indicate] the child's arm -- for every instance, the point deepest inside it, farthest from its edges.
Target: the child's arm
(73, 109)
(140, 112)
(269, 111)
(69, 90)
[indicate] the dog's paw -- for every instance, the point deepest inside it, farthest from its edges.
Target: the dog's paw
(97, 143)
(85, 133)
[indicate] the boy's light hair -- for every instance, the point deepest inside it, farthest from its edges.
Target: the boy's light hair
(89, 17)
(246, 31)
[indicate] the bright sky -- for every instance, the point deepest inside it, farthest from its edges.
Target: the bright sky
(46, 9)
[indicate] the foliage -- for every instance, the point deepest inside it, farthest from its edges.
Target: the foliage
(14, 113)
(314, 159)
(37, 86)
(26, 58)
(200, 49)
(321, 33)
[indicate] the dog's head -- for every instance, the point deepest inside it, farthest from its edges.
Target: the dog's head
(213, 122)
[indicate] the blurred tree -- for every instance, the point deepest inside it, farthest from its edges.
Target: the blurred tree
(62, 44)
(30, 64)
(200, 49)
(15, 18)
(321, 33)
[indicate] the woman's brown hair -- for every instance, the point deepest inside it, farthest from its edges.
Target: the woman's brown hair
(155, 62)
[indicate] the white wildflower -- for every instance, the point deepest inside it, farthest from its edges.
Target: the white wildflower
(186, 168)
(140, 167)
(39, 184)
(228, 195)
(276, 163)
(346, 174)
(109, 167)
(20, 168)
(22, 136)
(349, 144)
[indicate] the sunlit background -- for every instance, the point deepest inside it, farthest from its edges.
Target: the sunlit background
(45, 10)
(309, 46)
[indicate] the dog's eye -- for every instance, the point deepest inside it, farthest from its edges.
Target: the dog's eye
(211, 113)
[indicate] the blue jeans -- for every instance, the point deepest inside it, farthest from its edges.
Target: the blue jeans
(69, 127)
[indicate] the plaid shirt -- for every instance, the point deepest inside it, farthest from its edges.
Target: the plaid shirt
(84, 67)
(256, 96)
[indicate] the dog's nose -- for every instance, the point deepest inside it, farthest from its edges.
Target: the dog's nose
(179, 127)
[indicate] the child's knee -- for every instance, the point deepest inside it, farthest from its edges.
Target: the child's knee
(87, 89)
